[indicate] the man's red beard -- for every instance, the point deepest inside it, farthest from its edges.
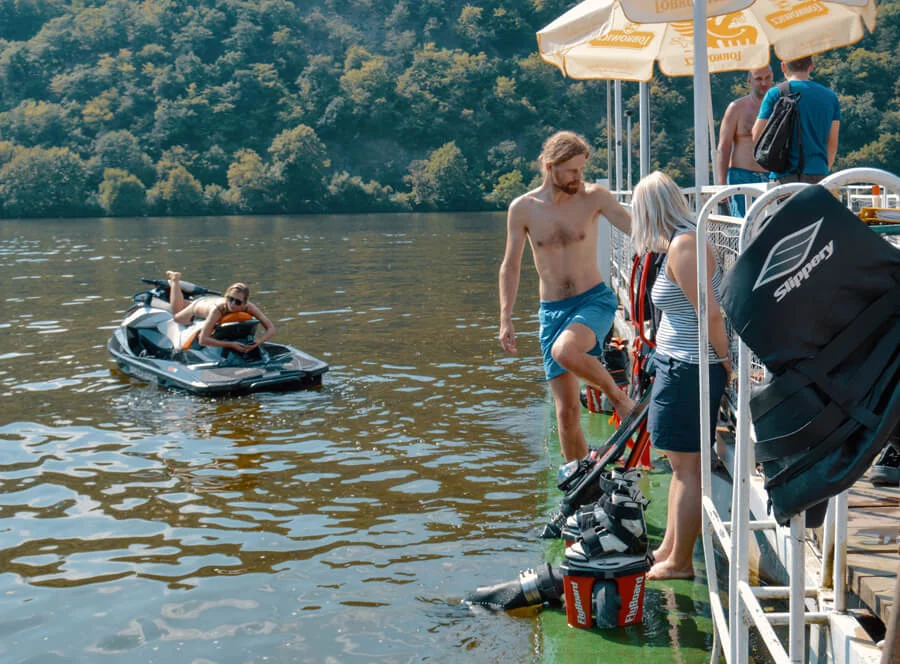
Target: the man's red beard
(571, 188)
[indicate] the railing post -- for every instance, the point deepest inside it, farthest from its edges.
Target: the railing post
(797, 624)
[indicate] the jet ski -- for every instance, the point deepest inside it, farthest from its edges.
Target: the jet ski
(151, 346)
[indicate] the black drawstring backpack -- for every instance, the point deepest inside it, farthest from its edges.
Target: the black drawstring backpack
(816, 295)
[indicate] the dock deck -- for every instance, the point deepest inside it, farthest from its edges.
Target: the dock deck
(873, 547)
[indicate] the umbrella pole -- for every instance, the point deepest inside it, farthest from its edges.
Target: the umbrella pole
(713, 144)
(701, 86)
(617, 85)
(644, 119)
(609, 174)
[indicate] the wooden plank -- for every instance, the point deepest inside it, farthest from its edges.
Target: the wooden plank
(873, 552)
(872, 579)
(864, 494)
(873, 529)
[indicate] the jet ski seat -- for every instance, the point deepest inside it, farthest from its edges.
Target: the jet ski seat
(816, 295)
(148, 342)
(235, 330)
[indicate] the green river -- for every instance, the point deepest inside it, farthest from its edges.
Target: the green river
(339, 525)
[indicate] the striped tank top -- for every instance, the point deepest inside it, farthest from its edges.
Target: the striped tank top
(677, 335)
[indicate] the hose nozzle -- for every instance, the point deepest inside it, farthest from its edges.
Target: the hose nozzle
(531, 588)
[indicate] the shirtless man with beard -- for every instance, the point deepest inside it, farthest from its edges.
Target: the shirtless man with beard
(560, 220)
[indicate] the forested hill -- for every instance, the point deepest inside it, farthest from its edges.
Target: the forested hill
(231, 106)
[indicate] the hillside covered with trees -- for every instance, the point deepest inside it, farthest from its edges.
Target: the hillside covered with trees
(230, 106)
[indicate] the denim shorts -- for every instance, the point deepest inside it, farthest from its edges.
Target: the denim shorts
(673, 420)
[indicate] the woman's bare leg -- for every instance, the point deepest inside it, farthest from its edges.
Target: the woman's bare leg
(176, 298)
(685, 504)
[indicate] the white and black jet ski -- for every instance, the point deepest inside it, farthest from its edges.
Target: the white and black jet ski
(150, 345)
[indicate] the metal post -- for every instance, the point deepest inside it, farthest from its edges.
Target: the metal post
(628, 142)
(797, 609)
(701, 84)
(840, 552)
(713, 143)
(644, 120)
(617, 85)
(609, 174)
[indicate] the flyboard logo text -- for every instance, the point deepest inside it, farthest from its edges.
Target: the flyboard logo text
(789, 257)
(579, 608)
(635, 604)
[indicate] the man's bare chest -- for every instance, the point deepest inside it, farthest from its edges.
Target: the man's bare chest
(746, 120)
(558, 232)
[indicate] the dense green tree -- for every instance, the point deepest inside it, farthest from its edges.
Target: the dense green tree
(21, 20)
(348, 193)
(36, 123)
(121, 150)
(473, 27)
(368, 85)
(179, 194)
(442, 181)
(249, 183)
(40, 182)
(299, 166)
(122, 194)
(508, 187)
(8, 150)
(384, 84)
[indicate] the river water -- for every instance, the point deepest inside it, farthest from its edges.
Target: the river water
(338, 525)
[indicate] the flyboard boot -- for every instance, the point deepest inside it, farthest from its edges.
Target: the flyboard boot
(610, 482)
(605, 568)
(542, 585)
(579, 479)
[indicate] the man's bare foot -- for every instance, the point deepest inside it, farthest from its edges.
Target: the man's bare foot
(666, 570)
(173, 276)
(625, 406)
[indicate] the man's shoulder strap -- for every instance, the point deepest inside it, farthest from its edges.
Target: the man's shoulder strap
(784, 89)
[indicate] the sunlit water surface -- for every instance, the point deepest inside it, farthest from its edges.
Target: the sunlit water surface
(337, 525)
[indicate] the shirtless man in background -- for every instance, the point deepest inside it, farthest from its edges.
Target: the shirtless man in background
(560, 220)
(735, 164)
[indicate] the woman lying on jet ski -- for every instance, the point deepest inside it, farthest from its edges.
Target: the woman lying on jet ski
(212, 308)
(662, 222)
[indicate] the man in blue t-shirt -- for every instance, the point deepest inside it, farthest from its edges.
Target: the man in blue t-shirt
(820, 121)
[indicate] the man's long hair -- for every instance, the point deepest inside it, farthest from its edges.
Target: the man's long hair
(562, 146)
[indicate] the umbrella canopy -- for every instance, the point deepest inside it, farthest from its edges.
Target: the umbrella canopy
(623, 48)
(614, 39)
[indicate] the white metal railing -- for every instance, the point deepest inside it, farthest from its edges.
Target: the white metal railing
(731, 623)
(744, 600)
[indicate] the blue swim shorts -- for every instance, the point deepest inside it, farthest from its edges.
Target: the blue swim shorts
(742, 176)
(673, 419)
(595, 308)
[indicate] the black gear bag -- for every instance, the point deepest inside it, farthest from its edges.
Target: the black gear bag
(816, 295)
(773, 149)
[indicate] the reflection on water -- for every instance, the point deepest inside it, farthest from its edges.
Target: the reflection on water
(342, 524)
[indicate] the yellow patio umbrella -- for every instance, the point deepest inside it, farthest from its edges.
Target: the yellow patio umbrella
(598, 36)
(622, 39)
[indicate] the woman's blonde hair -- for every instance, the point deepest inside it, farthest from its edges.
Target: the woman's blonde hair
(658, 209)
(238, 287)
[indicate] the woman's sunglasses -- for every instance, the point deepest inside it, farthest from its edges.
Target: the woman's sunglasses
(236, 302)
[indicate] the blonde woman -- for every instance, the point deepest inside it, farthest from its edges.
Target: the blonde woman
(212, 309)
(662, 222)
